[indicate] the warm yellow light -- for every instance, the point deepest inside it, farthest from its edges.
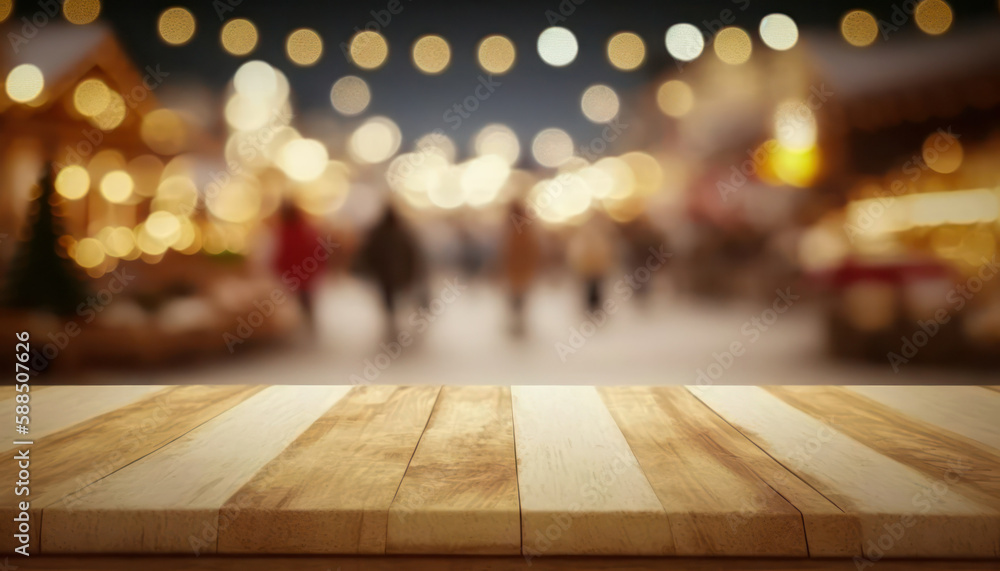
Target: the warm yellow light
(482, 178)
(431, 54)
(164, 132)
(73, 182)
(675, 98)
(859, 28)
(118, 242)
(304, 47)
(176, 26)
(145, 171)
(599, 103)
(91, 97)
(375, 141)
(176, 194)
(81, 11)
(795, 167)
(256, 80)
(795, 125)
(500, 140)
(117, 186)
(147, 243)
(933, 17)
(622, 179)
(369, 49)
(113, 114)
(626, 51)
(557, 46)
(552, 147)
(733, 45)
(325, 194)
(24, 83)
(560, 199)
(942, 152)
(303, 159)
(163, 226)
(437, 143)
(246, 114)
(350, 95)
(6, 7)
(238, 201)
(496, 54)
(239, 36)
(89, 253)
(646, 172)
(779, 32)
(684, 42)
(104, 162)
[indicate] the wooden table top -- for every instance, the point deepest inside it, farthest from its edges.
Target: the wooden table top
(782, 471)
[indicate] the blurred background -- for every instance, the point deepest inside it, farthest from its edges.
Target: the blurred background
(554, 192)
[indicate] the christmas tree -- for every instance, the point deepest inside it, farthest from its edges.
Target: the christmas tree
(41, 278)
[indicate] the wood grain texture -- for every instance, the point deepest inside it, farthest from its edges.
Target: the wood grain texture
(902, 512)
(965, 466)
(994, 388)
(723, 495)
(330, 490)
(969, 411)
(168, 502)
(582, 491)
(64, 464)
(459, 563)
(459, 494)
(61, 407)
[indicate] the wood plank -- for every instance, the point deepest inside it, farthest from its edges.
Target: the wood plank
(582, 491)
(446, 563)
(966, 466)
(168, 502)
(330, 490)
(9, 392)
(65, 463)
(723, 495)
(899, 510)
(969, 411)
(61, 407)
(995, 388)
(459, 494)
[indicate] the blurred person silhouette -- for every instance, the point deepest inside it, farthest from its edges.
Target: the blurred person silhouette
(641, 238)
(391, 256)
(297, 241)
(521, 257)
(591, 254)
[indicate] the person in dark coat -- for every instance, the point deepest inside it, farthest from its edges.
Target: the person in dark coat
(392, 257)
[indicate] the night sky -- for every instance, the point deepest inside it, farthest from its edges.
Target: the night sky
(532, 96)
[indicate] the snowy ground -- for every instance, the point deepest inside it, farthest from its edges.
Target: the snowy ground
(668, 340)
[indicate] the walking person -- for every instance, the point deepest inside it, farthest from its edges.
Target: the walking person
(520, 259)
(296, 241)
(591, 255)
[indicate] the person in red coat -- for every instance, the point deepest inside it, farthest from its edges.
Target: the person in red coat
(296, 261)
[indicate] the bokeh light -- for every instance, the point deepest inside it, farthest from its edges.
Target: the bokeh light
(733, 45)
(933, 17)
(369, 50)
(684, 42)
(81, 11)
(89, 253)
(500, 140)
(859, 28)
(304, 47)
(496, 54)
(73, 182)
(599, 103)
(164, 131)
(238, 201)
(91, 97)
(6, 7)
(552, 147)
(176, 26)
(350, 95)
(779, 32)
(942, 153)
(375, 141)
(557, 46)
(626, 51)
(239, 36)
(113, 115)
(431, 54)
(256, 80)
(117, 186)
(24, 83)
(303, 159)
(675, 98)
